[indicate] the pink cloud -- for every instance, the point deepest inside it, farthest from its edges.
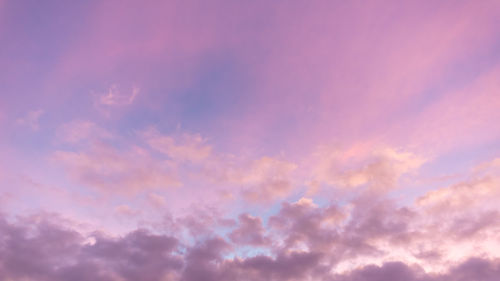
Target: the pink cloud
(114, 97)
(479, 190)
(79, 130)
(157, 200)
(126, 211)
(380, 169)
(31, 119)
(186, 147)
(258, 180)
(250, 231)
(49, 242)
(366, 234)
(462, 195)
(122, 171)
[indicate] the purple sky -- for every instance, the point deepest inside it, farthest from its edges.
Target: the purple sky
(249, 140)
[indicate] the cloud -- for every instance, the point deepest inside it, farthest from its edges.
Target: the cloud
(260, 180)
(471, 269)
(303, 241)
(44, 250)
(367, 229)
(126, 211)
(31, 119)
(462, 196)
(294, 266)
(114, 97)
(305, 226)
(202, 260)
(265, 179)
(479, 189)
(112, 163)
(391, 271)
(379, 169)
(250, 231)
(79, 131)
(473, 225)
(109, 169)
(157, 200)
(186, 147)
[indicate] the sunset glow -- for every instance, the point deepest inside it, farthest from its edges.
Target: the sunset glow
(249, 140)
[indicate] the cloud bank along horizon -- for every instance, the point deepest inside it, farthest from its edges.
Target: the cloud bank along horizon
(222, 140)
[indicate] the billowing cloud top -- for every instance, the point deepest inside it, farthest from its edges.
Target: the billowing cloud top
(222, 140)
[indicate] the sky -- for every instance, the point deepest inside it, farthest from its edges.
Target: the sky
(249, 140)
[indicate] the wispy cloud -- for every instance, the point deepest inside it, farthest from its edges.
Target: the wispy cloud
(80, 131)
(31, 119)
(115, 97)
(111, 170)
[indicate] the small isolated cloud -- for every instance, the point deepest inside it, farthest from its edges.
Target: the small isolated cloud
(126, 211)
(115, 97)
(31, 119)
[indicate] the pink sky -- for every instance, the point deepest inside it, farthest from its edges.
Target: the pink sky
(259, 140)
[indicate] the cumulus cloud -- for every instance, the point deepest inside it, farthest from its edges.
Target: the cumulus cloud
(250, 231)
(305, 226)
(368, 238)
(44, 248)
(471, 269)
(368, 235)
